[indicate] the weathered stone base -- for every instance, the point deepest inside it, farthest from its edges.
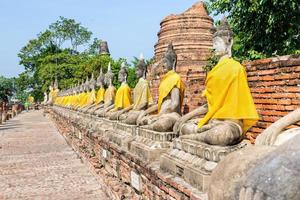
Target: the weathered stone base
(125, 175)
(122, 135)
(150, 145)
(195, 161)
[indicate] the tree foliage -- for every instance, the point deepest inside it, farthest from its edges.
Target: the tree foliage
(54, 54)
(262, 27)
(6, 88)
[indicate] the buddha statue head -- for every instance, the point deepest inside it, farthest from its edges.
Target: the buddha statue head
(223, 39)
(86, 84)
(122, 76)
(100, 79)
(92, 82)
(141, 68)
(170, 59)
(51, 86)
(81, 87)
(55, 86)
(109, 76)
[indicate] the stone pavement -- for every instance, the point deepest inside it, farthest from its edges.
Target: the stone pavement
(37, 163)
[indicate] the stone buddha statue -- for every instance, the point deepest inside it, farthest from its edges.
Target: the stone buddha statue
(50, 95)
(142, 98)
(100, 93)
(230, 110)
(109, 95)
(80, 95)
(123, 95)
(171, 93)
(45, 98)
(91, 94)
(55, 90)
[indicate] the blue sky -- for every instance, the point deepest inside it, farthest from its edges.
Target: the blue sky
(129, 26)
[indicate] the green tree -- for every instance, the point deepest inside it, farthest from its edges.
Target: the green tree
(262, 27)
(6, 88)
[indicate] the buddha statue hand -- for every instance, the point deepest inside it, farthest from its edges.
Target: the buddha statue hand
(195, 113)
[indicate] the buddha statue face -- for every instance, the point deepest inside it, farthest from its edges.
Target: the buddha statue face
(122, 76)
(170, 60)
(109, 76)
(92, 83)
(141, 68)
(100, 79)
(223, 39)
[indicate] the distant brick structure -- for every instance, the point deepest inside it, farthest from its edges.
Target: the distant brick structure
(191, 35)
(275, 87)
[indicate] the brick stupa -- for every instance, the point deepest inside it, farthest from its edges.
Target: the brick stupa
(191, 35)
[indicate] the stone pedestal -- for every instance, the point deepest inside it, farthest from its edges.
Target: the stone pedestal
(122, 135)
(149, 145)
(194, 161)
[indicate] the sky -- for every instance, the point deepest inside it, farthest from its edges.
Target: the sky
(129, 26)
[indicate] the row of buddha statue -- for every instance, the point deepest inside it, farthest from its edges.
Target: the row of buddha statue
(228, 115)
(200, 138)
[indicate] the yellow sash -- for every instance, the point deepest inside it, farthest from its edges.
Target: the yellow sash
(100, 95)
(123, 97)
(109, 95)
(168, 82)
(141, 93)
(228, 94)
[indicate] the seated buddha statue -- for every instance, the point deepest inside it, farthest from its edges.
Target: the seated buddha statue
(109, 95)
(230, 110)
(81, 97)
(100, 93)
(50, 95)
(171, 93)
(123, 95)
(142, 98)
(55, 91)
(91, 95)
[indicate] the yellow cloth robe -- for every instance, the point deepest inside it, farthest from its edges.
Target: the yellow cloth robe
(54, 95)
(168, 82)
(228, 94)
(82, 99)
(109, 94)
(91, 98)
(123, 97)
(100, 95)
(141, 93)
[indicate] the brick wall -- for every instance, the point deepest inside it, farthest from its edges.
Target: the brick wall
(275, 87)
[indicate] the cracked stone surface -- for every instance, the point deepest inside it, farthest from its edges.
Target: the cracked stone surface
(37, 163)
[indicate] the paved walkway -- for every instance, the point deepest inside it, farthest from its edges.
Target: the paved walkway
(37, 163)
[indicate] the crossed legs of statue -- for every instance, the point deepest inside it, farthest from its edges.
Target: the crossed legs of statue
(130, 117)
(216, 132)
(161, 123)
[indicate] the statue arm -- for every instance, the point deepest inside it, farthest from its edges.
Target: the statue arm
(124, 111)
(141, 106)
(195, 113)
(143, 113)
(109, 108)
(175, 99)
(268, 136)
